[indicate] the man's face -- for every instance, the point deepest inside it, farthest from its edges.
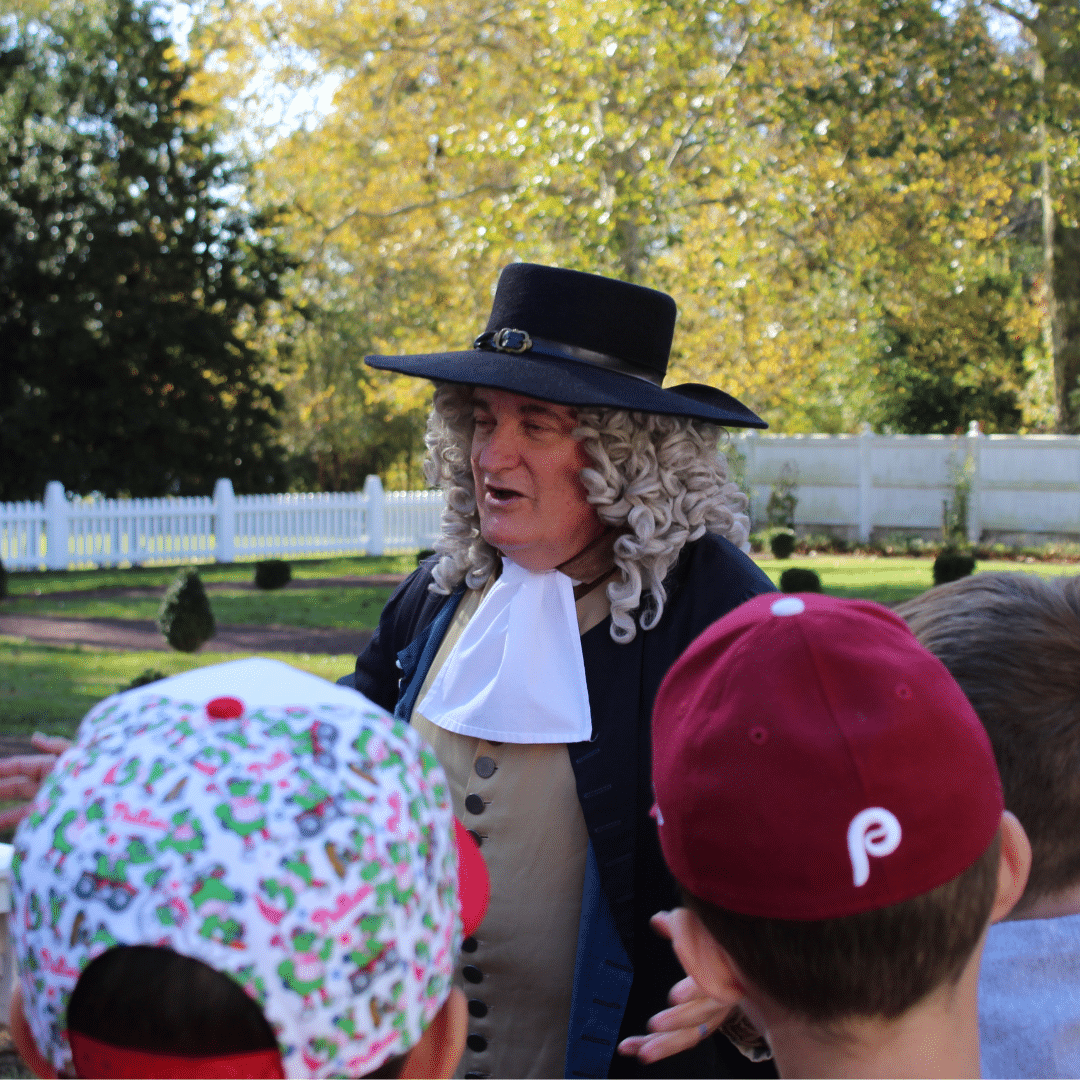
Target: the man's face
(527, 466)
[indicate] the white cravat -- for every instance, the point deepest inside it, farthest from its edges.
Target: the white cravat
(516, 674)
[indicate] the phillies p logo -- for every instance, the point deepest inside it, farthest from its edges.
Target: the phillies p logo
(873, 831)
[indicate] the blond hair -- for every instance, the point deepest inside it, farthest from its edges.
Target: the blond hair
(659, 480)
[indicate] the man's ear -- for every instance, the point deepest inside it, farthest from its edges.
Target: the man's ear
(439, 1050)
(704, 959)
(1014, 865)
(23, 1037)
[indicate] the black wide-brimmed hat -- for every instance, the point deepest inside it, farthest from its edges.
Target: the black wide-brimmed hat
(577, 339)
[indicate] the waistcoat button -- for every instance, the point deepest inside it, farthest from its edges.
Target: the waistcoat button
(477, 838)
(474, 804)
(472, 973)
(477, 1043)
(485, 767)
(477, 1008)
(469, 945)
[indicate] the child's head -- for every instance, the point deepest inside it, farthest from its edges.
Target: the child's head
(1012, 642)
(829, 802)
(242, 860)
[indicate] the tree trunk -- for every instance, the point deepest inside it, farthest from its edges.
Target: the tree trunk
(1061, 275)
(1066, 327)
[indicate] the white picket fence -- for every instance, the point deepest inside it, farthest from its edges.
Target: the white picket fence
(224, 527)
(1018, 487)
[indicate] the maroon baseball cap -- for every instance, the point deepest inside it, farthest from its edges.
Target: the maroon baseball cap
(811, 760)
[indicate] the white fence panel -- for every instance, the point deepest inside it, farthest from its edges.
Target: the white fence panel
(302, 524)
(63, 532)
(22, 535)
(849, 483)
(1048, 498)
(107, 532)
(911, 475)
(825, 468)
(1018, 484)
(413, 518)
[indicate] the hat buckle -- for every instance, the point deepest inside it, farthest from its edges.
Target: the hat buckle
(505, 340)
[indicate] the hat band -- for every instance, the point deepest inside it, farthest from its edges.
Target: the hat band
(94, 1058)
(520, 341)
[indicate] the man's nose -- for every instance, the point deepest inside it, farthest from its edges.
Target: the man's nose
(500, 449)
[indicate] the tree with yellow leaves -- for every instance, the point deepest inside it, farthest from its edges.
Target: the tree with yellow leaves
(808, 179)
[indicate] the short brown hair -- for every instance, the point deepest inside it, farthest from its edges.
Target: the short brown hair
(877, 963)
(1012, 642)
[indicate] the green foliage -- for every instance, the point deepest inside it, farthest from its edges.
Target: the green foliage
(782, 544)
(342, 420)
(965, 362)
(839, 194)
(954, 511)
(131, 276)
(806, 178)
(951, 565)
(144, 678)
(780, 509)
(3, 581)
(272, 574)
(800, 579)
(185, 617)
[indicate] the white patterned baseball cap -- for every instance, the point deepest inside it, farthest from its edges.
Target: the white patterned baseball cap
(284, 831)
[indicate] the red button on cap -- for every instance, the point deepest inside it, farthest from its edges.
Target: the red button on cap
(224, 708)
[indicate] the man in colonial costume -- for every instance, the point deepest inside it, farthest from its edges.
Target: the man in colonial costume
(590, 534)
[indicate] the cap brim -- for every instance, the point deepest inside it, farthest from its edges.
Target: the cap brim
(474, 885)
(564, 381)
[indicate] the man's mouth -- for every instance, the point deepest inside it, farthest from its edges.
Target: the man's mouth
(498, 494)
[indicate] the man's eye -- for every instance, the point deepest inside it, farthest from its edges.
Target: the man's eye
(483, 421)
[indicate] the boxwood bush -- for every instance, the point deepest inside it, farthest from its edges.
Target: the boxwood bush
(782, 544)
(800, 579)
(272, 574)
(185, 617)
(953, 565)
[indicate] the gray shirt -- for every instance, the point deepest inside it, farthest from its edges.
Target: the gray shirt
(1029, 998)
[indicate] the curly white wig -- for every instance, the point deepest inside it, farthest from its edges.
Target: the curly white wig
(659, 480)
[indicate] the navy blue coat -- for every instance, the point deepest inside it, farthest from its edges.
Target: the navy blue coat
(624, 970)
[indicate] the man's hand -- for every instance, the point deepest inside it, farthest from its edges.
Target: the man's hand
(692, 1016)
(21, 776)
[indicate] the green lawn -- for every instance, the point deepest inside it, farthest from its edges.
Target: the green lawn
(342, 608)
(345, 608)
(31, 583)
(50, 687)
(890, 580)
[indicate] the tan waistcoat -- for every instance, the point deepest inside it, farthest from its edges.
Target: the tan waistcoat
(521, 800)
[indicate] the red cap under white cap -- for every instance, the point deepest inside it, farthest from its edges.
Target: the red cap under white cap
(811, 760)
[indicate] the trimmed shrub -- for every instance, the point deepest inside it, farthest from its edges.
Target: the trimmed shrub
(272, 574)
(782, 545)
(3, 581)
(185, 617)
(799, 579)
(144, 678)
(952, 565)
(424, 553)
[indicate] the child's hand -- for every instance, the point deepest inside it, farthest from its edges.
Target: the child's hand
(21, 776)
(692, 1016)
